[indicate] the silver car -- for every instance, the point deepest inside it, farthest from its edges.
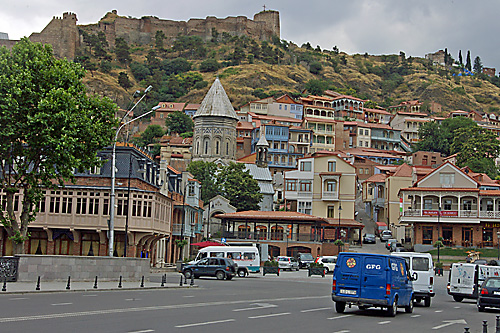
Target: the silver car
(288, 263)
(385, 235)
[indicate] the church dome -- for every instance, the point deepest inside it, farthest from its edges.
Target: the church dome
(216, 103)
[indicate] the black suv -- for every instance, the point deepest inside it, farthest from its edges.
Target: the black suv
(219, 267)
(304, 259)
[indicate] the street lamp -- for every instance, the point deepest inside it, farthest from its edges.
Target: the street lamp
(438, 244)
(498, 243)
(286, 235)
(113, 173)
(340, 211)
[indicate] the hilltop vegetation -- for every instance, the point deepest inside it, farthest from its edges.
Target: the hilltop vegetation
(248, 69)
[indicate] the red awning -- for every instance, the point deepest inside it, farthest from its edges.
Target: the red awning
(207, 243)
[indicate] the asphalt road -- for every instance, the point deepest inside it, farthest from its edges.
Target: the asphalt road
(291, 302)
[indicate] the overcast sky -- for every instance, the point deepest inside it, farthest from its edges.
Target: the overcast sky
(355, 26)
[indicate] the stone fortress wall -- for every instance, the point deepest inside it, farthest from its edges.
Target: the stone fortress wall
(63, 33)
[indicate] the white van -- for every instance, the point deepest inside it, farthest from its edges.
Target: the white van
(246, 257)
(464, 279)
(421, 264)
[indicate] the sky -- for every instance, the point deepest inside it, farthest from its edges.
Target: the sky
(416, 27)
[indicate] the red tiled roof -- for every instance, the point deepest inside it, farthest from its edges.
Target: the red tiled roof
(312, 119)
(376, 111)
(269, 215)
(377, 178)
(173, 170)
(412, 114)
(343, 223)
(244, 125)
(404, 170)
(440, 189)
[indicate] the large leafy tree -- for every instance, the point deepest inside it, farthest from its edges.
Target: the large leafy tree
(239, 187)
(205, 173)
(477, 148)
(49, 127)
(179, 122)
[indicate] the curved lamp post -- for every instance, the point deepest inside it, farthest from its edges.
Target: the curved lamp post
(113, 175)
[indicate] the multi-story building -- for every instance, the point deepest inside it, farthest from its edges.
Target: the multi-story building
(408, 107)
(324, 185)
(283, 106)
(328, 134)
(376, 116)
(384, 137)
(458, 205)
(408, 123)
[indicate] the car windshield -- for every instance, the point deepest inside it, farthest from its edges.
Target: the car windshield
(283, 259)
(306, 256)
(493, 283)
(421, 264)
(370, 236)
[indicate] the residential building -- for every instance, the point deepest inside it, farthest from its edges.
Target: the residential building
(408, 123)
(283, 106)
(456, 204)
(407, 107)
(384, 137)
(377, 116)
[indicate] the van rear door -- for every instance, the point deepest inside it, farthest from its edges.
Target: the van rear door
(348, 277)
(374, 278)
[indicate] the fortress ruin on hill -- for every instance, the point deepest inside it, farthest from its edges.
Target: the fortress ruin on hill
(63, 33)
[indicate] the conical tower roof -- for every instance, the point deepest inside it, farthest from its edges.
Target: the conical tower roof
(262, 140)
(216, 103)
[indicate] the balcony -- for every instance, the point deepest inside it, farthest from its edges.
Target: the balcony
(326, 195)
(446, 213)
(270, 236)
(380, 202)
(489, 214)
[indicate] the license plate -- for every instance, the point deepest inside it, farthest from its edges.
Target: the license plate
(348, 292)
(496, 293)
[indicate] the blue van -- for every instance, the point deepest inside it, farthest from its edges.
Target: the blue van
(372, 280)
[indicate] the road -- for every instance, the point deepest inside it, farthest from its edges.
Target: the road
(291, 302)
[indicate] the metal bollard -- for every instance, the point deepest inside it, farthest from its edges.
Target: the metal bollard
(485, 326)
(120, 283)
(95, 283)
(192, 280)
(4, 288)
(142, 282)
(163, 280)
(466, 330)
(38, 283)
(180, 283)
(68, 285)
(185, 280)
(497, 330)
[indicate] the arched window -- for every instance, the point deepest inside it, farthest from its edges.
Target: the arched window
(277, 233)
(206, 147)
(243, 231)
(217, 147)
(261, 232)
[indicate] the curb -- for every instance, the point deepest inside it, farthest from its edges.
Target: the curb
(21, 292)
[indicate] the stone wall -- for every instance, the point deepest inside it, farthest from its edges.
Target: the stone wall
(58, 268)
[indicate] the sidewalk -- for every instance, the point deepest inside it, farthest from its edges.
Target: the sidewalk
(154, 282)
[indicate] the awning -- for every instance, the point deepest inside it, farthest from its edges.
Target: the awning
(207, 243)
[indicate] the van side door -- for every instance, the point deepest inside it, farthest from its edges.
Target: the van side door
(373, 278)
(348, 275)
(401, 284)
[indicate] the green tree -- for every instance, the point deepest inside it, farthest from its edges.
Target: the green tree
(123, 80)
(460, 60)
(468, 64)
(179, 122)
(315, 67)
(239, 187)
(151, 134)
(159, 37)
(122, 50)
(175, 66)
(49, 127)
(205, 173)
(209, 65)
(477, 148)
(478, 65)
(316, 87)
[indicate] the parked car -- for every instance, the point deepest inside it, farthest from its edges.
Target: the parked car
(304, 259)
(385, 235)
(328, 262)
(391, 244)
(221, 268)
(369, 239)
(489, 294)
(288, 263)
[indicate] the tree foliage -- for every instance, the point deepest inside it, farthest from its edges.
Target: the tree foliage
(151, 134)
(49, 127)
(239, 187)
(179, 122)
(316, 87)
(478, 65)
(205, 173)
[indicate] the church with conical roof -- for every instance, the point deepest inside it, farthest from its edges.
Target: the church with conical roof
(215, 121)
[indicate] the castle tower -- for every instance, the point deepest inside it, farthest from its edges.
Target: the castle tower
(271, 19)
(215, 127)
(261, 149)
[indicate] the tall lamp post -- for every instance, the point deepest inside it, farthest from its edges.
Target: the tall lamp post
(340, 211)
(113, 173)
(498, 244)
(286, 235)
(439, 244)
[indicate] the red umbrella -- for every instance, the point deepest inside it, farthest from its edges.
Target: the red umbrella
(207, 243)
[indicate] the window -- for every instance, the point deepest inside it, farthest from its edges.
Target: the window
(367, 171)
(427, 203)
(332, 166)
(305, 207)
(331, 185)
(366, 133)
(447, 203)
(360, 131)
(361, 171)
(105, 207)
(291, 185)
(305, 186)
(331, 211)
(67, 205)
(54, 204)
(305, 166)
(427, 235)
(447, 179)
(366, 143)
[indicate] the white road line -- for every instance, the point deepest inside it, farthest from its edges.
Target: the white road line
(415, 316)
(205, 323)
(270, 315)
(143, 331)
(438, 311)
(339, 317)
(17, 299)
(384, 322)
(456, 307)
(256, 308)
(188, 296)
(319, 309)
(343, 331)
(132, 299)
(57, 304)
(89, 295)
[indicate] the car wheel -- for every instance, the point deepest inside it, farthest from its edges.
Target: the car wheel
(297, 269)
(409, 307)
(340, 307)
(188, 273)
(393, 309)
(220, 275)
(427, 302)
(326, 270)
(242, 273)
(458, 298)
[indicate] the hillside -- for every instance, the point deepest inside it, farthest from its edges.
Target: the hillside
(250, 70)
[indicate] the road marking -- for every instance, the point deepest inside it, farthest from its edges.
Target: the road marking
(17, 299)
(450, 322)
(132, 299)
(205, 323)
(457, 307)
(438, 311)
(270, 315)
(339, 317)
(188, 296)
(153, 308)
(57, 304)
(384, 322)
(257, 307)
(319, 309)
(343, 331)
(415, 316)
(89, 295)
(143, 331)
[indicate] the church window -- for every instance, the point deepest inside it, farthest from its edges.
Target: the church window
(206, 147)
(217, 148)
